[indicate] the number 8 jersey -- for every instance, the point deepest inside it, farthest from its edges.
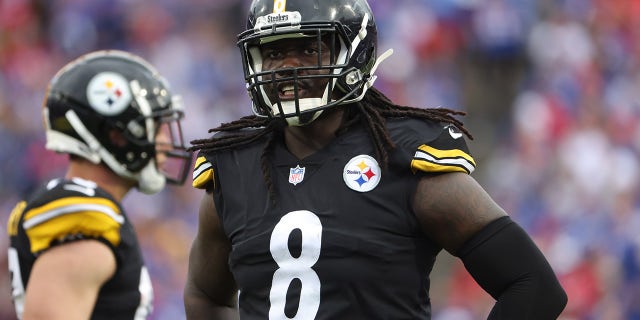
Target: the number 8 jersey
(72, 210)
(340, 241)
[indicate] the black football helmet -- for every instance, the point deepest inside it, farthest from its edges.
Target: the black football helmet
(351, 31)
(111, 90)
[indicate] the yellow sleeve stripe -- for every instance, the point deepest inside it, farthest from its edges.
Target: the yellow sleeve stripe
(429, 159)
(69, 205)
(71, 216)
(14, 218)
(89, 224)
(202, 173)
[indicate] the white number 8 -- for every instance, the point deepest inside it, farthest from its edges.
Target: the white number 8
(296, 268)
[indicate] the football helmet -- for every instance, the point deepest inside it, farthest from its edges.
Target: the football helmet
(351, 31)
(111, 91)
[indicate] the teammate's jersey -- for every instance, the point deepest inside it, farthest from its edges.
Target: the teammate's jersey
(341, 240)
(72, 210)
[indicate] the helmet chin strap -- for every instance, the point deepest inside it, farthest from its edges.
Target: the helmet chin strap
(304, 104)
(148, 179)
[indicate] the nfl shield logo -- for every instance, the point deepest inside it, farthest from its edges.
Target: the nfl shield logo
(296, 175)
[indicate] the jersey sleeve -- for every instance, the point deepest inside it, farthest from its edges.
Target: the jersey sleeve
(447, 152)
(72, 217)
(203, 173)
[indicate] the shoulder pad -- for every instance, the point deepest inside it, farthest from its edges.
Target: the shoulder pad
(78, 213)
(203, 176)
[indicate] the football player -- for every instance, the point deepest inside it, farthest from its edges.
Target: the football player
(73, 251)
(331, 201)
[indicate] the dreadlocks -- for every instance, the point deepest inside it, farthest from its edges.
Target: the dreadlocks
(372, 111)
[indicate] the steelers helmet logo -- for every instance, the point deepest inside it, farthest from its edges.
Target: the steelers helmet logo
(362, 173)
(108, 93)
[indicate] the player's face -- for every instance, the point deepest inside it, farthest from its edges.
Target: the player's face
(169, 166)
(295, 53)
(163, 144)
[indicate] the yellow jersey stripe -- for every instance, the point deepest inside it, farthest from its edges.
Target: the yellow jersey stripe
(430, 159)
(89, 224)
(202, 173)
(14, 218)
(69, 205)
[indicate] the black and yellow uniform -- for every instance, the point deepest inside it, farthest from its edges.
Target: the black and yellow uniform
(73, 210)
(341, 241)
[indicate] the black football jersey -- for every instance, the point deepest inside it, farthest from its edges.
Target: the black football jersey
(72, 210)
(341, 240)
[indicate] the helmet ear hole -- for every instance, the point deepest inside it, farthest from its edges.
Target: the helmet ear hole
(117, 138)
(365, 56)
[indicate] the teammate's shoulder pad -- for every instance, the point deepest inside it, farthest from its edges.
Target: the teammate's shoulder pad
(73, 209)
(203, 176)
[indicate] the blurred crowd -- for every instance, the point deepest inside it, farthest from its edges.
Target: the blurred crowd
(551, 89)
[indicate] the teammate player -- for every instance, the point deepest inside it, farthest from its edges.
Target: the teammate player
(73, 252)
(332, 202)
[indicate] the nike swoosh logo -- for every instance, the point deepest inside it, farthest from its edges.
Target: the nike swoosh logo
(453, 134)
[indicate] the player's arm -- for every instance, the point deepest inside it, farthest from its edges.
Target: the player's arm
(210, 291)
(65, 280)
(456, 212)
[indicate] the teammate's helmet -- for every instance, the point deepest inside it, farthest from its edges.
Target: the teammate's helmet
(350, 27)
(107, 92)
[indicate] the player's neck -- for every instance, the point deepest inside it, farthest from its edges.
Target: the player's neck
(303, 141)
(113, 184)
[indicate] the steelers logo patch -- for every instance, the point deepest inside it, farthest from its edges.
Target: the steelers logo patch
(362, 173)
(108, 93)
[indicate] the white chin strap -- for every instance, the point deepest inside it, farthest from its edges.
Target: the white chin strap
(289, 107)
(149, 179)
